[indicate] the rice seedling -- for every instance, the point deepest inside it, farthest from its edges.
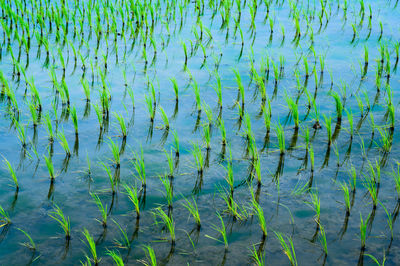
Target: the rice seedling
(207, 137)
(167, 221)
(169, 193)
(102, 209)
(222, 129)
(4, 218)
(363, 231)
(176, 143)
(150, 256)
(328, 125)
(74, 120)
(110, 176)
(164, 118)
(31, 244)
(176, 88)
(339, 105)
(133, 197)
(221, 230)
(280, 133)
(125, 242)
(12, 173)
(322, 239)
(64, 143)
(315, 204)
(50, 167)
(64, 222)
(92, 247)
(293, 107)
(115, 152)
(140, 168)
(122, 125)
(193, 210)
(116, 257)
(259, 212)
(150, 107)
(198, 158)
(287, 249)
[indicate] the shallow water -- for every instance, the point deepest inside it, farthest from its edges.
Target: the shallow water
(285, 211)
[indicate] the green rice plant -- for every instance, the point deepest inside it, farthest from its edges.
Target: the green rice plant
(389, 220)
(322, 239)
(222, 129)
(64, 143)
(306, 67)
(257, 258)
(4, 218)
(328, 125)
(99, 116)
(32, 109)
(115, 152)
(164, 118)
(198, 158)
(170, 163)
(315, 204)
(132, 97)
(133, 197)
(218, 89)
(150, 107)
(12, 173)
(86, 89)
(370, 184)
(49, 127)
(239, 84)
(110, 176)
(138, 164)
(396, 178)
(280, 133)
(222, 230)
(207, 136)
(350, 119)
(259, 212)
(257, 169)
(339, 104)
(122, 125)
(116, 257)
(376, 260)
(391, 111)
(102, 209)
(363, 231)
(150, 256)
(74, 119)
(287, 249)
(50, 168)
(385, 140)
(176, 88)
(125, 242)
(293, 107)
(169, 193)
(31, 244)
(176, 143)
(193, 210)
(196, 91)
(92, 246)
(353, 178)
(58, 215)
(168, 222)
(346, 195)
(185, 52)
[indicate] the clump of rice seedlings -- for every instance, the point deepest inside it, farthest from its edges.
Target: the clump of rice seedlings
(34, 114)
(74, 120)
(239, 84)
(49, 127)
(315, 204)
(222, 129)
(150, 107)
(176, 143)
(133, 197)
(389, 220)
(168, 222)
(218, 90)
(116, 257)
(86, 89)
(193, 210)
(164, 118)
(102, 209)
(176, 88)
(198, 158)
(280, 133)
(385, 140)
(258, 258)
(328, 125)
(21, 132)
(371, 185)
(339, 105)
(122, 125)
(170, 163)
(396, 178)
(287, 249)
(4, 218)
(294, 109)
(322, 239)
(222, 230)
(92, 247)
(346, 195)
(110, 176)
(259, 212)
(99, 115)
(150, 256)
(207, 137)
(196, 91)
(169, 193)
(350, 119)
(139, 165)
(31, 244)
(115, 152)
(363, 231)
(124, 243)
(12, 173)
(64, 143)
(50, 168)
(58, 215)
